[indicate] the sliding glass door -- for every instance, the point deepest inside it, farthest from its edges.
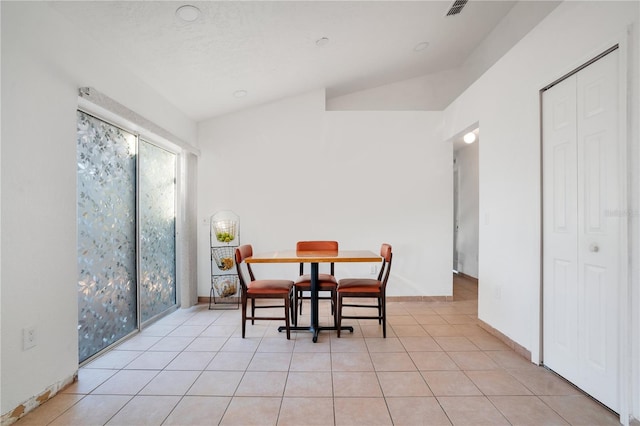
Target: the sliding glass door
(126, 233)
(157, 212)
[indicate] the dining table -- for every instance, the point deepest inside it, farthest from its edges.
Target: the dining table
(314, 258)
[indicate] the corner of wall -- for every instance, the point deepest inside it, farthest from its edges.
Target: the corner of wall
(35, 401)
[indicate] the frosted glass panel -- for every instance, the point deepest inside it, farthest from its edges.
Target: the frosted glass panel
(106, 185)
(157, 230)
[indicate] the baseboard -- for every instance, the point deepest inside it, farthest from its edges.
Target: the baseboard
(234, 300)
(517, 348)
(420, 298)
(467, 277)
(36, 401)
(227, 304)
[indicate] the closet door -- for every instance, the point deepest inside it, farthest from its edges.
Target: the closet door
(581, 231)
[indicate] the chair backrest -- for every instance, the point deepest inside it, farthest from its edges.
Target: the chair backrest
(317, 246)
(385, 269)
(242, 253)
(324, 246)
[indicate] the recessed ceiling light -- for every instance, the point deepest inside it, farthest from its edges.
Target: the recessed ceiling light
(469, 137)
(321, 42)
(188, 13)
(240, 93)
(421, 46)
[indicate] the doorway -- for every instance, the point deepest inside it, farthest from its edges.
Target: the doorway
(466, 211)
(582, 235)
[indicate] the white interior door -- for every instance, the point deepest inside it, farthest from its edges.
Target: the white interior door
(581, 231)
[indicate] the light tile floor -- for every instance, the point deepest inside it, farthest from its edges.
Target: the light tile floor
(436, 367)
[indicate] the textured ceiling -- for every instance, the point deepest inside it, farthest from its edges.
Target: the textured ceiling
(269, 48)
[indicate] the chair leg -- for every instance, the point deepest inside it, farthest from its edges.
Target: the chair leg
(287, 308)
(244, 316)
(384, 317)
(334, 310)
(253, 311)
(299, 296)
(293, 309)
(338, 314)
(379, 311)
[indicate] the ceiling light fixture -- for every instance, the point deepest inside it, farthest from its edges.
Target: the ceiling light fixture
(421, 46)
(321, 42)
(188, 13)
(469, 137)
(240, 93)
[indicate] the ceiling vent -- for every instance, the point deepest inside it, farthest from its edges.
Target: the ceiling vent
(456, 7)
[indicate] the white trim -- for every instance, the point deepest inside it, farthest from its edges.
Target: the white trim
(625, 301)
(624, 379)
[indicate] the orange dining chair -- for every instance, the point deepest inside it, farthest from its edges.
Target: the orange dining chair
(366, 288)
(326, 282)
(262, 289)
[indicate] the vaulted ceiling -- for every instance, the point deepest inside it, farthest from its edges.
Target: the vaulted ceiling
(237, 54)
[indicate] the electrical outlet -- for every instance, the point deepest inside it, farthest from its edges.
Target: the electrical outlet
(28, 338)
(498, 292)
(374, 269)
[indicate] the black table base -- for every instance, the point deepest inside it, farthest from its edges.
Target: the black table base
(314, 328)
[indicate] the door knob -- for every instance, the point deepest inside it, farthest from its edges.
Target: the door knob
(594, 248)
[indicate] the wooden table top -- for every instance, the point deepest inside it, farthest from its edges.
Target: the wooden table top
(291, 256)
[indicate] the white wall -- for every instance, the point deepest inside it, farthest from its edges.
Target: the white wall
(44, 62)
(509, 273)
(431, 92)
(292, 171)
(468, 210)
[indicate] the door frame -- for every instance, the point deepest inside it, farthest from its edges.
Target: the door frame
(625, 337)
(457, 138)
(456, 189)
